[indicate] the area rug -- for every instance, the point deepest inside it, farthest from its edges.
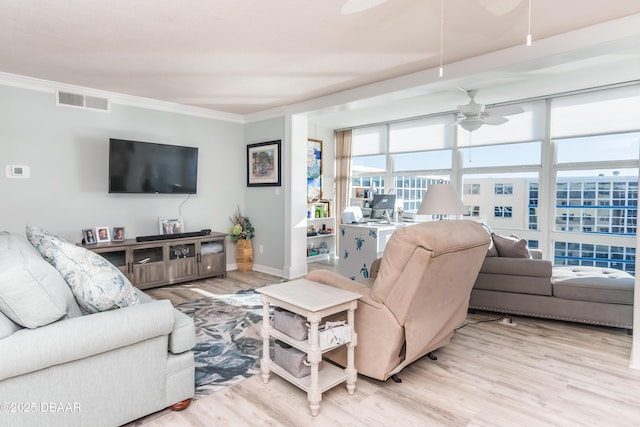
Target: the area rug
(229, 342)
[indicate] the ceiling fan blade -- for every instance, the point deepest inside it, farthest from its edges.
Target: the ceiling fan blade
(507, 110)
(354, 6)
(471, 108)
(494, 120)
(500, 7)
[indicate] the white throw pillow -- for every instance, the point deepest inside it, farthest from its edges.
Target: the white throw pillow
(32, 292)
(97, 284)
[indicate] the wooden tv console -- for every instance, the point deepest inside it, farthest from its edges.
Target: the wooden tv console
(165, 262)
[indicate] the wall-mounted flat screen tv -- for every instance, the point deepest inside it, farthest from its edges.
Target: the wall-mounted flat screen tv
(144, 167)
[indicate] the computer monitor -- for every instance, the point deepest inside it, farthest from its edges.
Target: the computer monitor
(381, 203)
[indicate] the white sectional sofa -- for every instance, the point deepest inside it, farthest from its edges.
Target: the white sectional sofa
(63, 366)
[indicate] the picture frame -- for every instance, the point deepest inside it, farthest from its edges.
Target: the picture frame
(170, 225)
(263, 164)
(89, 236)
(314, 170)
(102, 234)
(326, 204)
(118, 234)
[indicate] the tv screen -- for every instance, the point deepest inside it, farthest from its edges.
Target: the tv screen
(144, 167)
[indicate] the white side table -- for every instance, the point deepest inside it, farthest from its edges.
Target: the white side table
(313, 301)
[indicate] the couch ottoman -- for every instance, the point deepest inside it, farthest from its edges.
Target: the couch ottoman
(605, 285)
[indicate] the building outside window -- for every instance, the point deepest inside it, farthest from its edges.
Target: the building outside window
(503, 188)
(471, 189)
(503, 211)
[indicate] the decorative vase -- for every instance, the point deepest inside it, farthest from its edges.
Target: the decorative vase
(244, 255)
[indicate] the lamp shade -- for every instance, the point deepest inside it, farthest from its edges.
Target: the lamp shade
(441, 199)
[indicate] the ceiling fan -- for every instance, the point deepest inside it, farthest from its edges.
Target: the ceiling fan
(472, 115)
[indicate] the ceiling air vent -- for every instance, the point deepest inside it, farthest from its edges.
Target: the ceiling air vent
(83, 101)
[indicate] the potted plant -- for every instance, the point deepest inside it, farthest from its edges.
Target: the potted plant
(241, 233)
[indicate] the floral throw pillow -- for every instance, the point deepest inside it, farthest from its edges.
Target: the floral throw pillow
(96, 283)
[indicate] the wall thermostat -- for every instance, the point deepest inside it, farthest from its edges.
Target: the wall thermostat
(18, 171)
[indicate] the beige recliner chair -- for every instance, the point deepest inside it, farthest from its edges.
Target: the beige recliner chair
(419, 295)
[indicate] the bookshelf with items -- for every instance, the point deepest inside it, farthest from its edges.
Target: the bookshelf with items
(321, 227)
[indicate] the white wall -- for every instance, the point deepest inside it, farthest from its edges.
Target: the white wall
(265, 205)
(67, 151)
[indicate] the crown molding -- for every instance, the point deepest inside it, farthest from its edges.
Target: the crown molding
(40, 85)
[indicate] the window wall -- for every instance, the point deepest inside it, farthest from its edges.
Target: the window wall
(596, 149)
(402, 158)
(563, 174)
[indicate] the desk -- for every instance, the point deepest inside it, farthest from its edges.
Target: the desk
(361, 244)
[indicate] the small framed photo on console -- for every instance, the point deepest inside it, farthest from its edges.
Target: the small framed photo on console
(118, 234)
(89, 236)
(103, 234)
(170, 225)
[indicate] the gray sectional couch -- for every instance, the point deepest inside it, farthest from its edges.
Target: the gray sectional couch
(61, 366)
(530, 286)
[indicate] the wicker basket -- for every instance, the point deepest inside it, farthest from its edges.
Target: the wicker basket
(244, 255)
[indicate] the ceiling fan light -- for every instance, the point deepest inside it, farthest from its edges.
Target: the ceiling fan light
(470, 124)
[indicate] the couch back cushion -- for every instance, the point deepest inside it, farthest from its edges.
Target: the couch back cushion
(96, 284)
(32, 292)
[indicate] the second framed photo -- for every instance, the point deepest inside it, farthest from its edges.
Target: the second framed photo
(263, 164)
(103, 234)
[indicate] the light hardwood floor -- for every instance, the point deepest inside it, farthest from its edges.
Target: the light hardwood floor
(536, 373)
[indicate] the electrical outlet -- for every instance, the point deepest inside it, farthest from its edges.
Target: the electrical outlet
(508, 321)
(260, 248)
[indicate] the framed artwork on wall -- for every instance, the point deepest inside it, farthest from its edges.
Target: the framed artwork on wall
(263, 164)
(314, 170)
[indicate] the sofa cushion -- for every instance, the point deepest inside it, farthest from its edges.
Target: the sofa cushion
(32, 292)
(596, 284)
(96, 283)
(517, 275)
(510, 247)
(7, 326)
